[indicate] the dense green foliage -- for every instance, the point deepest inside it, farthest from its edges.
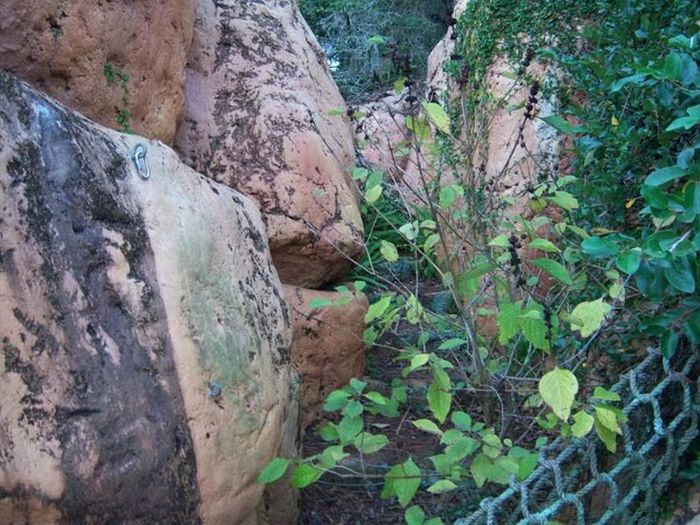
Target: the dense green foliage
(604, 263)
(370, 42)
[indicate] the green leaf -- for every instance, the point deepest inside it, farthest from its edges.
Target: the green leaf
(377, 309)
(444, 485)
(353, 409)
(431, 241)
(416, 362)
(544, 245)
(461, 448)
(348, 428)
(583, 424)
(274, 470)
(599, 247)
(688, 122)
(680, 275)
(508, 321)
(439, 401)
(461, 420)
(554, 269)
(669, 344)
(434, 521)
(559, 123)
(329, 432)
(406, 481)
(447, 197)
(437, 116)
(320, 302)
(415, 515)
(331, 455)
(305, 474)
(608, 419)
(564, 200)
(534, 329)
(409, 230)
(558, 389)
(605, 395)
(377, 398)
(587, 317)
(376, 40)
(374, 193)
(606, 435)
(335, 401)
(673, 68)
(664, 175)
(500, 242)
(628, 262)
(388, 251)
(427, 426)
(452, 343)
(400, 85)
(370, 443)
(357, 385)
(480, 469)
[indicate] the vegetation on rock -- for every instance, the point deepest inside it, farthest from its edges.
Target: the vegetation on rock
(552, 301)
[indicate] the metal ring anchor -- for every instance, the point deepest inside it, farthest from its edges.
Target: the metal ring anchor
(214, 390)
(138, 156)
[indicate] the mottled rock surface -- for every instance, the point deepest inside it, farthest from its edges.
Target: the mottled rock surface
(123, 301)
(327, 346)
(381, 134)
(62, 48)
(257, 119)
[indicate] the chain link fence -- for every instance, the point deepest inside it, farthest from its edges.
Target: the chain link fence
(581, 483)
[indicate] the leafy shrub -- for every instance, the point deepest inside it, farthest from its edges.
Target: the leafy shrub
(605, 261)
(369, 41)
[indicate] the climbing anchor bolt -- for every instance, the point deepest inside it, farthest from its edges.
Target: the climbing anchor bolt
(138, 156)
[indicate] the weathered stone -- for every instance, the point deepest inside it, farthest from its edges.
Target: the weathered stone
(127, 304)
(63, 47)
(257, 119)
(327, 347)
(382, 133)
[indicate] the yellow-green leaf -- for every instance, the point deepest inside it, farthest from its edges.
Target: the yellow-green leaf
(558, 389)
(608, 419)
(389, 251)
(274, 470)
(587, 317)
(305, 474)
(374, 193)
(583, 424)
(444, 485)
(554, 269)
(427, 426)
(437, 116)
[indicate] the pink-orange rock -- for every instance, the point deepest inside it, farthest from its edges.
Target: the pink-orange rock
(327, 346)
(381, 134)
(144, 335)
(257, 119)
(62, 48)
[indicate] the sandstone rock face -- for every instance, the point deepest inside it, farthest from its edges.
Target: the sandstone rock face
(62, 48)
(145, 372)
(257, 119)
(381, 132)
(327, 346)
(437, 79)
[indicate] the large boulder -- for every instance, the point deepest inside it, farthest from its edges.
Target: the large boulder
(145, 338)
(258, 118)
(327, 348)
(63, 47)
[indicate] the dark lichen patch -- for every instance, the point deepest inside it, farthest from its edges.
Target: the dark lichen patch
(44, 340)
(14, 363)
